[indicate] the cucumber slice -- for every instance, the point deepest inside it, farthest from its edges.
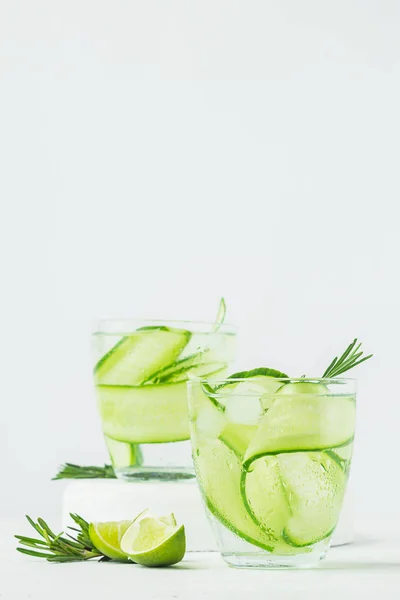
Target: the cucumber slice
(176, 368)
(344, 453)
(209, 370)
(243, 402)
(195, 364)
(137, 356)
(208, 421)
(238, 437)
(218, 471)
(342, 456)
(297, 497)
(315, 485)
(243, 405)
(300, 387)
(265, 498)
(144, 414)
(213, 423)
(303, 422)
(123, 454)
(260, 371)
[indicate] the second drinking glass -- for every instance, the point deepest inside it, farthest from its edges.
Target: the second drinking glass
(140, 373)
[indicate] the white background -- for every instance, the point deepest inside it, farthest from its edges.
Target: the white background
(158, 154)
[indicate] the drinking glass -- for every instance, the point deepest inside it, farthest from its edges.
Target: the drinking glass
(140, 373)
(272, 458)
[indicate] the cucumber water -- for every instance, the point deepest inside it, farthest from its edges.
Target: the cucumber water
(272, 461)
(140, 375)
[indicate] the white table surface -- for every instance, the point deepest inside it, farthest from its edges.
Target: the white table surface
(368, 569)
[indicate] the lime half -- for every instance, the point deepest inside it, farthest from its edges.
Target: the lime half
(106, 537)
(154, 542)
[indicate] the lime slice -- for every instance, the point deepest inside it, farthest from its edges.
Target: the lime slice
(106, 537)
(154, 542)
(168, 520)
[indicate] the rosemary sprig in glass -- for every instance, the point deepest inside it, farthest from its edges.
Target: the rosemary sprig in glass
(57, 548)
(350, 358)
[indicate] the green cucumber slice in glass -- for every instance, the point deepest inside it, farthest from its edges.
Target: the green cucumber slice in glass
(243, 403)
(144, 414)
(315, 485)
(176, 367)
(137, 356)
(238, 437)
(197, 364)
(219, 471)
(209, 370)
(298, 496)
(342, 456)
(303, 422)
(123, 454)
(264, 496)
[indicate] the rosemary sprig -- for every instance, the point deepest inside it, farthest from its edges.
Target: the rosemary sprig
(350, 358)
(56, 548)
(71, 471)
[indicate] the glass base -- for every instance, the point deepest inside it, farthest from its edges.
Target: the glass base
(154, 473)
(239, 553)
(264, 560)
(168, 461)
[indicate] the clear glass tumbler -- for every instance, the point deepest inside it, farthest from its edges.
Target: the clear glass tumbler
(140, 373)
(272, 459)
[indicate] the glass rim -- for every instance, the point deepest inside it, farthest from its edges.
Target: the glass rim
(215, 383)
(102, 326)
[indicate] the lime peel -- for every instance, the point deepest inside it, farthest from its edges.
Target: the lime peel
(154, 542)
(106, 537)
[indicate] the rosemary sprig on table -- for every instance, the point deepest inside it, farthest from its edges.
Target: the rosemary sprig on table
(71, 471)
(56, 548)
(350, 358)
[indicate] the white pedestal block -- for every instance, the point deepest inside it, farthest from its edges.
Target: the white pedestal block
(113, 500)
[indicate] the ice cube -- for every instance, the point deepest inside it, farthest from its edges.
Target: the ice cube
(245, 410)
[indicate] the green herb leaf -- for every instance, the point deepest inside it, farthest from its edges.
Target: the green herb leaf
(56, 548)
(350, 358)
(71, 471)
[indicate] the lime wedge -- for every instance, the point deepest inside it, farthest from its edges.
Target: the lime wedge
(106, 537)
(154, 542)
